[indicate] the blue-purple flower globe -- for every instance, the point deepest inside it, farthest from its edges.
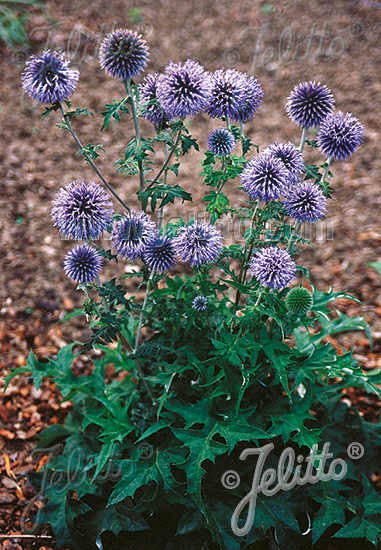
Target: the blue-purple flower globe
(228, 94)
(273, 267)
(290, 156)
(340, 135)
(132, 233)
(48, 77)
(82, 264)
(253, 95)
(123, 54)
(198, 243)
(184, 89)
(152, 110)
(82, 211)
(221, 142)
(200, 303)
(309, 104)
(265, 178)
(306, 202)
(159, 254)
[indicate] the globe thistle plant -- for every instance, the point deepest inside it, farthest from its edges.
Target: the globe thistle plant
(221, 142)
(273, 267)
(309, 104)
(132, 233)
(265, 178)
(48, 77)
(306, 202)
(123, 54)
(159, 254)
(252, 98)
(154, 112)
(290, 156)
(200, 303)
(227, 97)
(82, 211)
(184, 89)
(198, 243)
(340, 135)
(299, 301)
(82, 264)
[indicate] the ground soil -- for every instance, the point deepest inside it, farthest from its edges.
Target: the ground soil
(281, 43)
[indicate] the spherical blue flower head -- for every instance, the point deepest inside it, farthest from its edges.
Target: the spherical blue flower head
(132, 233)
(290, 156)
(265, 178)
(228, 94)
(253, 95)
(306, 202)
(200, 303)
(159, 254)
(309, 103)
(340, 135)
(82, 211)
(82, 264)
(273, 267)
(221, 142)
(148, 92)
(184, 89)
(198, 243)
(123, 54)
(48, 77)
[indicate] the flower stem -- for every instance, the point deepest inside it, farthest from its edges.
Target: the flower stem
(291, 242)
(166, 162)
(242, 135)
(246, 256)
(138, 334)
(137, 131)
(328, 162)
(91, 162)
(303, 139)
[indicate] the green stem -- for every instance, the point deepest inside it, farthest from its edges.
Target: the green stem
(138, 334)
(328, 162)
(303, 139)
(246, 256)
(166, 162)
(227, 122)
(128, 86)
(90, 160)
(291, 242)
(242, 135)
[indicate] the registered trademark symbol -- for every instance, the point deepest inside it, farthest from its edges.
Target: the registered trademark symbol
(355, 450)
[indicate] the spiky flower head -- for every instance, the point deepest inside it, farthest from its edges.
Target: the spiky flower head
(154, 113)
(299, 301)
(132, 233)
(82, 264)
(82, 211)
(265, 178)
(184, 89)
(306, 202)
(290, 156)
(309, 103)
(200, 303)
(253, 95)
(273, 267)
(221, 142)
(198, 243)
(48, 77)
(228, 94)
(159, 254)
(340, 135)
(123, 54)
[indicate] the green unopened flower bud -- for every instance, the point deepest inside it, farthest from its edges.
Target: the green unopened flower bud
(299, 300)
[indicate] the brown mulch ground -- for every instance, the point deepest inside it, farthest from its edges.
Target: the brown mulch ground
(283, 43)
